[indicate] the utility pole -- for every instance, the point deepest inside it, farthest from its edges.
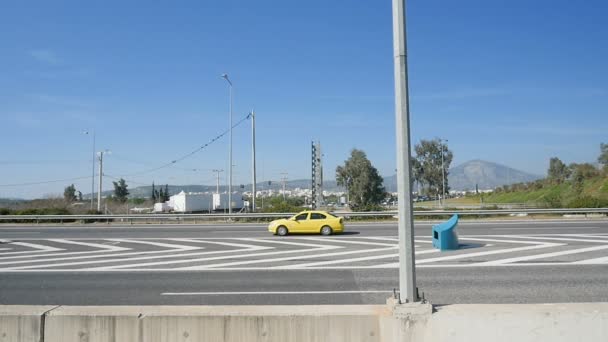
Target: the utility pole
(92, 133)
(225, 76)
(408, 291)
(284, 180)
(253, 184)
(100, 157)
(317, 176)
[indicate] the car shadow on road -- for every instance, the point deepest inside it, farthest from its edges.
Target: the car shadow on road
(349, 233)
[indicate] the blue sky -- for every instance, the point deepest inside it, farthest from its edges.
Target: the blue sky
(514, 82)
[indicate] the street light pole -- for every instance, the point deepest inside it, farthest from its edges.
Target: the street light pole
(92, 133)
(225, 76)
(407, 269)
(253, 185)
(93, 174)
(100, 155)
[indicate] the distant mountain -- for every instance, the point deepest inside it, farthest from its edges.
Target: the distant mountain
(486, 175)
(10, 202)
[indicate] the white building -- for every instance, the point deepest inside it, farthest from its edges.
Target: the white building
(200, 202)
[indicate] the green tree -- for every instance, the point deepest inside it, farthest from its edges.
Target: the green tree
(79, 196)
(160, 195)
(166, 193)
(428, 165)
(120, 190)
(153, 195)
(558, 171)
(364, 183)
(583, 171)
(603, 158)
(69, 193)
(580, 172)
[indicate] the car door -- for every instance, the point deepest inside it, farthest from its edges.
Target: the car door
(317, 220)
(301, 223)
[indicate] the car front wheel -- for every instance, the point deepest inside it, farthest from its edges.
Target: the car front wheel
(282, 231)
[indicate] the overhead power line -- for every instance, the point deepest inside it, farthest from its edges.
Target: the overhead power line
(175, 161)
(126, 180)
(46, 182)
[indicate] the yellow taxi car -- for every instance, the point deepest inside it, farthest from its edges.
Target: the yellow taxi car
(308, 221)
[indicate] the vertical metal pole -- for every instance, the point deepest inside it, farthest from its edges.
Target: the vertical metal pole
(93, 175)
(100, 181)
(284, 180)
(217, 185)
(442, 176)
(217, 188)
(230, 157)
(407, 270)
(253, 185)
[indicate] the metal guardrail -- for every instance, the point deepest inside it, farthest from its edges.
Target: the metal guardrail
(194, 217)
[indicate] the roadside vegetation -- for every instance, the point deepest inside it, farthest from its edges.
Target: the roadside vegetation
(566, 186)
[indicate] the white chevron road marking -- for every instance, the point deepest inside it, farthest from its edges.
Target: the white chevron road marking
(159, 244)
(38, 248)
(111, 248)
(189, 254)
(149, 255)
(542, 256)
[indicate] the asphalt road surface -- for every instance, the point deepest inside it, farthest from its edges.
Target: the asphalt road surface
(498, 262)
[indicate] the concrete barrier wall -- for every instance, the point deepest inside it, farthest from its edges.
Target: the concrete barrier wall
(369, 323)
(521, 323)
(218, 323)
(22, 323)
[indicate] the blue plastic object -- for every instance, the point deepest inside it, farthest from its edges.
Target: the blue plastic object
(445, 236)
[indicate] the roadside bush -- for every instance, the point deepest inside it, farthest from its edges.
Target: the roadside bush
(588, 202)
(37, 211)
(551, 200)
(5, 211)
(94, 212)
(369, 207)
(44, 211)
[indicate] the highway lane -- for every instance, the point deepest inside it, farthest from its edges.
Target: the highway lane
(500, 262)
(422, 228)
(440, 286)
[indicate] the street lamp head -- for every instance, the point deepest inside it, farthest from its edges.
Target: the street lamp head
(225, 76)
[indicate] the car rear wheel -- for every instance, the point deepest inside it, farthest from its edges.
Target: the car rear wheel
(282, 231)
(326, 230)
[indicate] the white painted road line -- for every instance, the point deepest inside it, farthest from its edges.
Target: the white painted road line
(351, 260)
(38, 248)
(148, 256)
(271, 293)
(349, 241)
(476, 254)
(184, 261)
(110, 248)
(160, 244)
(546, 228)
(594, 261)
(315, 253)
(558, 239)
(542, 256)
(261, 261)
